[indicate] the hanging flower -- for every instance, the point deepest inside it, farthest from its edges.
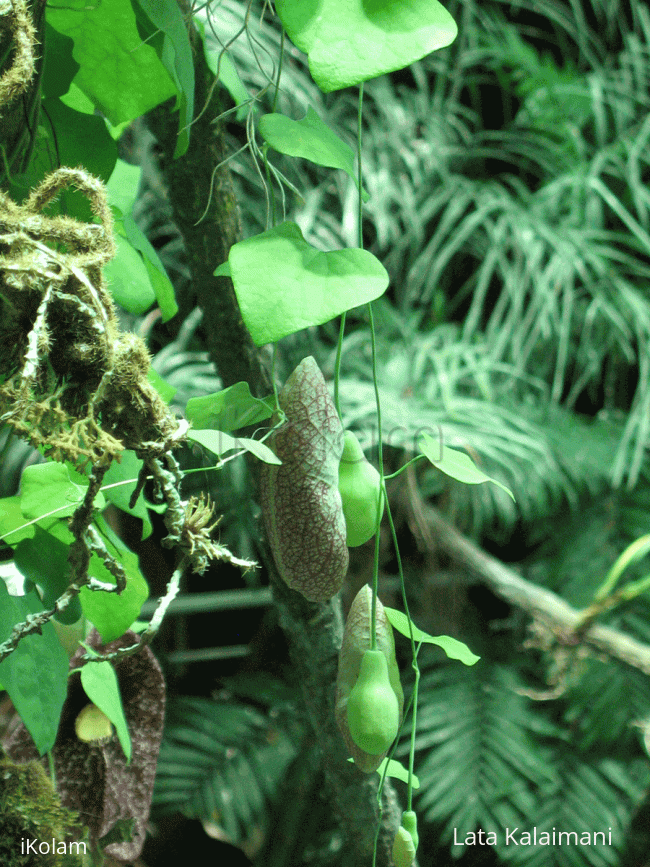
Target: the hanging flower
(92, 774)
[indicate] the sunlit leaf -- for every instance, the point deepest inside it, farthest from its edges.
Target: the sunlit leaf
(283, 284)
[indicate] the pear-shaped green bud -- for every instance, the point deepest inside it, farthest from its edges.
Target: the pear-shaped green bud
(92, 725)
(357, 640)
(373, 709)
(360, 489)
(410, 822)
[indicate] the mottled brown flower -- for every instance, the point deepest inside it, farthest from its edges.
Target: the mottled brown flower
(95, 781)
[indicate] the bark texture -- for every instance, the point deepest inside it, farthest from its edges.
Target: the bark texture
(314, 631)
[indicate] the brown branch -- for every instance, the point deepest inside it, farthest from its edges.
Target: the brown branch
(543, 605)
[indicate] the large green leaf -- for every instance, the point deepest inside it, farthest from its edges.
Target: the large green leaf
(136, 275)
(160, 282)
(77, 138)
(43, 560)
(13, 526)
(349, 41)
(35, 674)
(284, 285)
(127, 276)
(228, 409)
(118, 72)
(118, 485)
(46, 564)
(49, 491)
(111, 614)
(176, 55)
(59, 66)
(82, 139)
(123, 185)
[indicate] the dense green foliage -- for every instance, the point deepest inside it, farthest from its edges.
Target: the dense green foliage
(508, 179)
(508, 200)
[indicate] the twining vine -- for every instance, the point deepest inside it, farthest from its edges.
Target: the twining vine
(78, 389)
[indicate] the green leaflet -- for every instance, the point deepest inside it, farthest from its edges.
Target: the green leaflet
(310, 139)
(456, 464)
(453, 648)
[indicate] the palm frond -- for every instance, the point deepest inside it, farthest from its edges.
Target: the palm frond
(449, 387)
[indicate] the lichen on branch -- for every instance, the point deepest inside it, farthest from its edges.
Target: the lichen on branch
(75, 386)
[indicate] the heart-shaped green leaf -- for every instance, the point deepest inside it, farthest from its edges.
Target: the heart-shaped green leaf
(349, 41)
(48, 489)
(284, 285)
(118, 71)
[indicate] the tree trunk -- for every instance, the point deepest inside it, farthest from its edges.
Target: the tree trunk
(313, 631)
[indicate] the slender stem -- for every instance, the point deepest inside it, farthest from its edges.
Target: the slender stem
(406, 466)
(360, 167)
(414, 722)
(337, 365)
(638, 549)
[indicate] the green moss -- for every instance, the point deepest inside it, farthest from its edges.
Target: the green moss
(31, 810)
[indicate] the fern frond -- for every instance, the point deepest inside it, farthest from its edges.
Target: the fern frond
(603, 704)
(487, 759)
(478, 762)
(590, 794)
(220, 761)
